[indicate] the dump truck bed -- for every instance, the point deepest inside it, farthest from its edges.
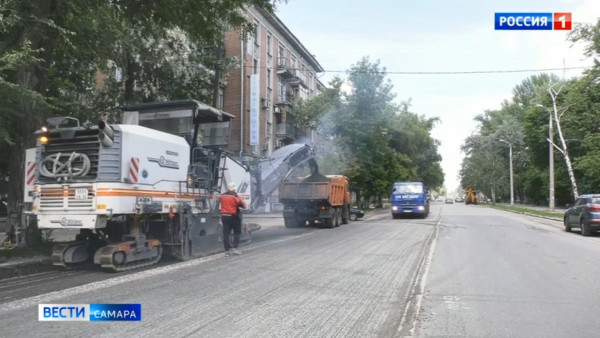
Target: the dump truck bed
(316, 188)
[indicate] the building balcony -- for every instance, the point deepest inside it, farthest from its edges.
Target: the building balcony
(285, 98)
(296, 81)
(284, 69)
(285, 131)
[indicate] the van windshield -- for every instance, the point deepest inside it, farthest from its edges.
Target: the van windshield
(412, 188)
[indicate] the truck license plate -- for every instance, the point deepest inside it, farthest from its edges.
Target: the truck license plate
(144, 200)
(81, 193)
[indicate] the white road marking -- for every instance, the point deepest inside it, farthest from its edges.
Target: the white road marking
(418, 294)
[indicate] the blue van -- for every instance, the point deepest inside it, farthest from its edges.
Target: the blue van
(409, 198)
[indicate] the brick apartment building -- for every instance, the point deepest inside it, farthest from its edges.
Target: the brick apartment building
(275, 69)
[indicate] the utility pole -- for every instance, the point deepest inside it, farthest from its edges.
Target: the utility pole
(512, 191)
(551, 204)
(551, 160)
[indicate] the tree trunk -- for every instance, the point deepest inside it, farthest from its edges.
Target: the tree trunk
(564, 151)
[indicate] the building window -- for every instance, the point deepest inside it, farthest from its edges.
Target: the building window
(250, 45)
(257, 33)
(281, 91)
(269, 43)
(221, 99)
(281, 56)
(269, 84)
(254, 66)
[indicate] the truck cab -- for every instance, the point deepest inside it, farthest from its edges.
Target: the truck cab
(409, 198)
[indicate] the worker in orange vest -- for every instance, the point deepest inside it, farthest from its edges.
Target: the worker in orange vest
(231, 204)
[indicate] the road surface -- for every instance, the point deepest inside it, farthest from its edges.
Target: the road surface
(464, 271)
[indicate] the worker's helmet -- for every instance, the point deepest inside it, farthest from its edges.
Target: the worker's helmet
(231, 186)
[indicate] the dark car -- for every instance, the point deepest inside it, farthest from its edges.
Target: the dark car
(584, 214)
(355, 214)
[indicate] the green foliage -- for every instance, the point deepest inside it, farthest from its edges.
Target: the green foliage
(366, 136)
(579, 115)
(53, 52)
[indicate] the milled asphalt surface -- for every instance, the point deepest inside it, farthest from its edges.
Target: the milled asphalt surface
(265, 220)
(307, 282)
(466, 271)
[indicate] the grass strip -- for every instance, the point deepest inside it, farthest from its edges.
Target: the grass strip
(522, 210)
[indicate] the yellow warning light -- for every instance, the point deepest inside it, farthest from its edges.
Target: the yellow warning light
(101, 206)
(43, 140)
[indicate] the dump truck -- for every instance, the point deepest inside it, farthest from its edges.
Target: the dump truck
(471, 196)
(316, 198)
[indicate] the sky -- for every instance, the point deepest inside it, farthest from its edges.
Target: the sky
(439, 36)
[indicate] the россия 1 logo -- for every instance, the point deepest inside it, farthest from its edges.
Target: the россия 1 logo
(533, 21)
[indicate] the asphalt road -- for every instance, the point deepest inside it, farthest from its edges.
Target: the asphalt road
(467, 271)
(500, 274)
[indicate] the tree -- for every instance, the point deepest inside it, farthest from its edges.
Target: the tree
(557, 114)
(483, 168)
(368, 137)
(411, 136)
(51, 52)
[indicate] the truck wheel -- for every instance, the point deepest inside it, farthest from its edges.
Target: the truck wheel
(338, 213)
(345, 214)
(291, 222)
(300, 222)
(328, 223)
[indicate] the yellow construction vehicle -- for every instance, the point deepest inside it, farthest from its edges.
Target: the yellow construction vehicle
(471, 196)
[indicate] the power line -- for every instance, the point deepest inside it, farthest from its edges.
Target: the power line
(470, 72)
(530, 70)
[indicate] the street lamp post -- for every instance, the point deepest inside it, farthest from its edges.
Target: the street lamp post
(551, 204)
(512, 193)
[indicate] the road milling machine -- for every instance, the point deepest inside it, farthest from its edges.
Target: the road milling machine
(146, 187)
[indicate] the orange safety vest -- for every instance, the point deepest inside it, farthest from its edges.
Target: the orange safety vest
(230, 202)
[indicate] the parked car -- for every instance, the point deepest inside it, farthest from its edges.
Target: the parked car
(449, 200)
(355, 214)
(584, 214)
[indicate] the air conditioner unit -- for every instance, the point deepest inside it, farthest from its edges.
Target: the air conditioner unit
(277, 110)
(266, 103)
